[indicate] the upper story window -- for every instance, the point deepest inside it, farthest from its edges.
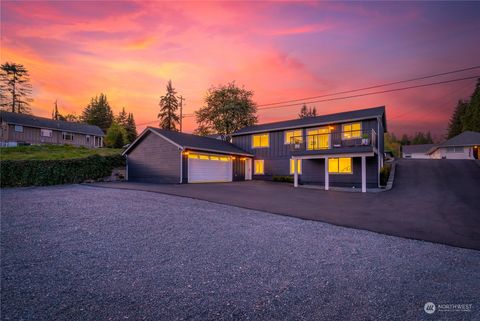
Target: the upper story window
(293, 136)
(352, 130)
(67, 136)
(318, 138)
(46, 132)
(340, 165)
(19, 129)
(260, 140)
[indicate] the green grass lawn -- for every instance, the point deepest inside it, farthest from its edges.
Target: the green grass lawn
(52, 152)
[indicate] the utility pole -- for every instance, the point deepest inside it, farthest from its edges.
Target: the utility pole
(181, 111)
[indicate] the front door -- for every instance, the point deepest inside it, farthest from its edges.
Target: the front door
(248, 169)
(476, 152)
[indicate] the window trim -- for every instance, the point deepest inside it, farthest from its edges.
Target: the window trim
(20, 127)
(286, 142)
(262, 161)
(67, 133)
(262, 134)
(42, 130)
(292, 167)
(351, 131)
(338, 165)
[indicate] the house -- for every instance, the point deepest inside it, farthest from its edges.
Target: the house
(417, 151)
(17, 129)
(463, 146)
(342, 149)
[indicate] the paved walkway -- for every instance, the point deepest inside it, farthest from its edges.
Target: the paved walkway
(432, 200)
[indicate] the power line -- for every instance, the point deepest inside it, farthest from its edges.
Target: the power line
(376, 92)
(371, 87)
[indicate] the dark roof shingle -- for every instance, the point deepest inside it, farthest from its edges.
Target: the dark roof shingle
(41, 122)
(423, 148)
(200, 142)
(312, 121)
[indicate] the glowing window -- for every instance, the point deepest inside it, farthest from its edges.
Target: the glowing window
(293, 137)
(203, 156)
(259, 167)
(192, 156)
(260, 140)
(214, 158)
(340, 165)
(352, 130)
(299, 166)
(318, 138)
(224, 159)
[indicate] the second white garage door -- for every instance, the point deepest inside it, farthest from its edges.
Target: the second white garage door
(209, 168)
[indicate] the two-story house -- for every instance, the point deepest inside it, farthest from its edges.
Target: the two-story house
(17, 129)
(343, 149)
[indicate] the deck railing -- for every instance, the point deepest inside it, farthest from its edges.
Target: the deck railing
(334, 140)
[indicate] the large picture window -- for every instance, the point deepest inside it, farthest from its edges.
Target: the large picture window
(352, 130)
(46, 132)
(260, 140)
(292, 166)
(341, 165)
(293, 136)
(259, 167)
(318, 138)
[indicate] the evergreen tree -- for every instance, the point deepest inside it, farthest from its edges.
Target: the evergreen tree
(168, 109)
(15, 88)
(98, 112)
(122, 118)
(227, 109)
(455, 126)
(131, 128)
(471, 118)
(405, 140)
(307, 112)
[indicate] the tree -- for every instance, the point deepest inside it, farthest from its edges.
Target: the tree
(168, 109)
(471, 118)
(421, 138)
(131, 128)
(455, 126)
(70, 117)
(392, 144)
(405, 140)
(98, 112)
(116, 136)
(307, 112)
(227, 109)
(122, 117)
(15, 88)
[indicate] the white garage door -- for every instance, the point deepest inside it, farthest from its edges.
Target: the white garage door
(209, 168)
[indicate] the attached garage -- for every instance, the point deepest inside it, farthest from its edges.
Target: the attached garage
(203, 168)
(166, 157)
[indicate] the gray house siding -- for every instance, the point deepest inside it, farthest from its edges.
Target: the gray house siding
(154, 160)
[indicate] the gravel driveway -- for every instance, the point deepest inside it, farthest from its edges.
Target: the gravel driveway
(83, 253)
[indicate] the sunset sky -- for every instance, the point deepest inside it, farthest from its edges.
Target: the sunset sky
(281, 51)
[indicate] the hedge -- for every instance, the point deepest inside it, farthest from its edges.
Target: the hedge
(62, 171)
(283, 179)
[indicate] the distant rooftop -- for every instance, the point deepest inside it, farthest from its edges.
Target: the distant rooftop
(416, 149)
(41, 122)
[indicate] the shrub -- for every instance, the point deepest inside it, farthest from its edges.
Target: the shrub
(385, 174)
(283, 179)
(61, 171)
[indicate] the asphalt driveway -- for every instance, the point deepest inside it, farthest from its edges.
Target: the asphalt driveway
(83, 253)
(432, 200)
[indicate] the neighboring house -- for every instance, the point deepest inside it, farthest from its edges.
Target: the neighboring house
(17, 129)
(417, 151)
(343, 149)
(163, 156)
(463, 146)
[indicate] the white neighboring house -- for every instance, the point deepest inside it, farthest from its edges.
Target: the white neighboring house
(417, 151)
(464, 146)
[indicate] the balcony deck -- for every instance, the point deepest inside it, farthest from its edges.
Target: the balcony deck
(335, 143)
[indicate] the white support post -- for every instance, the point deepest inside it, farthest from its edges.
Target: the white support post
(295, 172)
(327, 183)
(364, 175)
